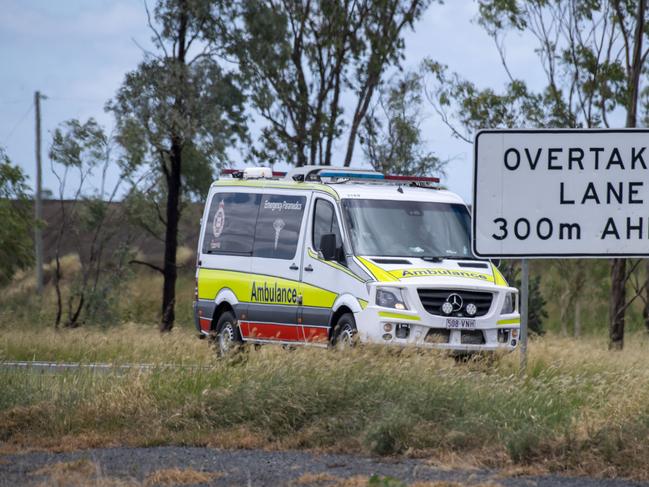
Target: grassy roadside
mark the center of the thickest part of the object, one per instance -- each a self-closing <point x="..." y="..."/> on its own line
<point x="129" y="343"/>
<point x="581" y="409"/>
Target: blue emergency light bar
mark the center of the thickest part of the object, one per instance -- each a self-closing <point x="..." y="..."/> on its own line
<point x="350" y="174"/>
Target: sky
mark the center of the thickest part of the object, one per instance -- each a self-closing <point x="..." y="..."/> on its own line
<point x="77" y="52"/>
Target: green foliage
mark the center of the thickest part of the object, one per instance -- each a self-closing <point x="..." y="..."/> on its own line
<point x="77" y="144"/>
<point x="580" y="50"/>
<point x="16" y="251"/>
<point x="460" y="101"/>
<point x="379" y="481"/>
<point x="185" y="99"/>
<point x="536" y="302"/>
<point x="302" y="59"/>
<point x="391" y="133"/>
<point x="102" y="246"/>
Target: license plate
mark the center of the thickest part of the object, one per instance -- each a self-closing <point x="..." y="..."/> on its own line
<point x="460" y="323"/>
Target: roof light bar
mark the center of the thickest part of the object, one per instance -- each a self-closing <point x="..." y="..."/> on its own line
<point x="425" y="179"/>
<point x="377" y="176"/>
<point x="239" y="173"/>
<point x="350" y="175"/>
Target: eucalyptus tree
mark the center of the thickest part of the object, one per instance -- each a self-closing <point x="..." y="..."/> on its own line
<point x="177" y="115"/>
<point x="88" y="222"/>
<point x="593" y="56"/>
<point x="16" y="250"/>
<point x="391" y="135"/>
<point x="306" y="59"/>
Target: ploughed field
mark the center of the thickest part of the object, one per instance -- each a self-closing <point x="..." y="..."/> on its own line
<point x="579" y="410"/>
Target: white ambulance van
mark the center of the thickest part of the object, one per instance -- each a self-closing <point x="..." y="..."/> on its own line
<point x="326" y="255"/>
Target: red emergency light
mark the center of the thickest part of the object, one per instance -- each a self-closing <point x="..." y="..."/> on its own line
<point x="423" y="179"/>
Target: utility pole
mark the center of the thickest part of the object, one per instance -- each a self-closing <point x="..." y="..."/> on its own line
<point x="38" y="203"/>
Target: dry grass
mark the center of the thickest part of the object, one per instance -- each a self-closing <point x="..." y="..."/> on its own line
<point x="314" y="479"/>
<point x="81" y="467"/>
<point x="127" y="343"/>
<point x="180" y="476"/>
<point x="446" y="483"/>
<point x="79" y="473"/>
<point x="84" y="472"/>
<point x="580" y="409"/>
<point x="327" y="480"/>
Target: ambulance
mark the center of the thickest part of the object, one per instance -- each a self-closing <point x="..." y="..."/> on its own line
<point x="328" y="256"/>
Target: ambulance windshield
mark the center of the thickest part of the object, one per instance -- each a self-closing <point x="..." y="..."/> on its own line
<point x="408" y="228"/>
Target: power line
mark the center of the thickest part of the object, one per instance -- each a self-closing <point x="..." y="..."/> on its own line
<point x="21" y="120"/>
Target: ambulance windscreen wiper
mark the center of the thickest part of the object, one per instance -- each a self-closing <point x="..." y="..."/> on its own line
<point x="431" y="258"/>
<point x="439" y="258"/>
<point x="460" y="257"/>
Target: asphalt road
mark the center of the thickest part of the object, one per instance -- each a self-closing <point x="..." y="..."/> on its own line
<point x="257" y="468"/>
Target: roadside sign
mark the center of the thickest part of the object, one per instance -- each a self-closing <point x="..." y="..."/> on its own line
<point x="561" y="193"/>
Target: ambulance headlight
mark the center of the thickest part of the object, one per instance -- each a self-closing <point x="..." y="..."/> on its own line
<point x="510" y="304"/>
<point x="390" y="297"/>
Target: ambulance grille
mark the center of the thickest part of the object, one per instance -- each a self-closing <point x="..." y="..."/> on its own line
<point x="433" y="299"/>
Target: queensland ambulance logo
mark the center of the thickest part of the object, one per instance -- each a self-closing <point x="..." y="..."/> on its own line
<point x="219" y="220"/>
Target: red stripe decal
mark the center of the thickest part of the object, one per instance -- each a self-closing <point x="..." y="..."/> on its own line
<point x="271" y="331"/>
<point x="314" y="334"/>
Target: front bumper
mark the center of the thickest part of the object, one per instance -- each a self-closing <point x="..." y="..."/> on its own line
<point x="417" y="327"/>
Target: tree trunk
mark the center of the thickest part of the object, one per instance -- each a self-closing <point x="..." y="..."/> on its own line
<point x="634" y="67"/>
<point x="170" y="270"/>
<point x="577" y="318"/>
<point x="617" y="305"/>
<point x="563" y="320"/>
<point x="646" y="300"/>
<point x="174" y="186"/>
<point x="359" y="114"/>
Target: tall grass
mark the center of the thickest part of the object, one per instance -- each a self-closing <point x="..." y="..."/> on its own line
<point x="579" y="409"/>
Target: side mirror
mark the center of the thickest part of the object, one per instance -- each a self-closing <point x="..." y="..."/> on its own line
<point x="328" y="246"/>
<point x="496" y="262"/>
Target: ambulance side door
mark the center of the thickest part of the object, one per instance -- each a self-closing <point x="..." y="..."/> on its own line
<point x="322" y="280"/>
<point x="276" y="267"/>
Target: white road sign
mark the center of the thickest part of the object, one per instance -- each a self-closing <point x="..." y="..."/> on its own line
<point x="561" y="193"/>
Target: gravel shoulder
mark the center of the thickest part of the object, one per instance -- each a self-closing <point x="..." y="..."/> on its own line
<point x="258" y="468"/>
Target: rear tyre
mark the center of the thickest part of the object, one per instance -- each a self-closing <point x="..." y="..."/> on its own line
<point x="228" y="338"/>
<point x="345" y="332"/>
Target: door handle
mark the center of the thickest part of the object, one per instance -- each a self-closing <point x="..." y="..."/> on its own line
<point x="293" y="267"/>
<point x="309" y="268"/>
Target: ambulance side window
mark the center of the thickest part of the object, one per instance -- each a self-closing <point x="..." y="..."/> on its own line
<point x="278" y="226"/>
<point x="324" y="222"/>
<point x="230" y="227"/>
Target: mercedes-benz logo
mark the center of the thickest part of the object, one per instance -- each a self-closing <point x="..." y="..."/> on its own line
<point x="455" y="300"/>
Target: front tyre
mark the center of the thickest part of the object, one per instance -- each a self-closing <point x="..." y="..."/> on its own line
<point x="346" y="334"/>
<point x="228" y="337"/>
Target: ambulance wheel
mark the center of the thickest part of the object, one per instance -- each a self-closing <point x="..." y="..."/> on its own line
<point x="228" y="338"/>
<point x="346" y="335"/>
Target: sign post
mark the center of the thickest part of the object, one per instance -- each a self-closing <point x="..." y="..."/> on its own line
<point x="525" y="293"/>
<point x="569" y="193"/>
